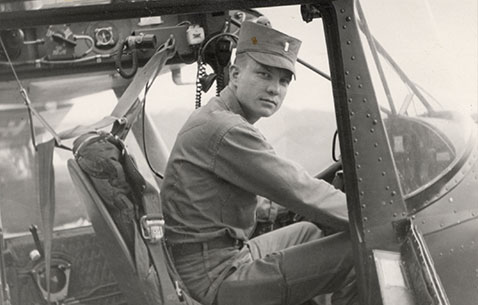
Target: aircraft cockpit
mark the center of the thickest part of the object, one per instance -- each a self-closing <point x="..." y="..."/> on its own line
<point x="381" y="105"/>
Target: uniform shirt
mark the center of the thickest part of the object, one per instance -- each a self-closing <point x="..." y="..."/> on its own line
<point x="218" y="166"/>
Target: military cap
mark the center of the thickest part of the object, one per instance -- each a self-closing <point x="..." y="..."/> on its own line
<point x="268" y="46"/>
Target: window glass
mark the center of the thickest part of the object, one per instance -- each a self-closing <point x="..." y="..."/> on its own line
<point x="19" y="184"/>
<point x="424" y="75"/>
<point x="302" y="130"/>
<point x="18" y="179"/>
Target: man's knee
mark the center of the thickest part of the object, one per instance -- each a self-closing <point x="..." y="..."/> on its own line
<point x="310" y="230"/>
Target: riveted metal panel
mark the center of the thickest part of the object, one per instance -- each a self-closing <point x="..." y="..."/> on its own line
<point x="457" y="203"/>
<point x="455" y="254"/>
<point x="449" y="179"/>
<point x="380" y="196"/>
<point x="374" y="197"/>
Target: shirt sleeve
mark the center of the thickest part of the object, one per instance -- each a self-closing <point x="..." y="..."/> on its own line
<point x="245" y="159"/>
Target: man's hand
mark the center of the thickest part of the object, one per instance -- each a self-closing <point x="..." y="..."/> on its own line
<point x="338" y="181"/>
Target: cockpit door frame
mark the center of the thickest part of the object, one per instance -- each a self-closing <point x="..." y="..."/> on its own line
<point x="374" y="196"/>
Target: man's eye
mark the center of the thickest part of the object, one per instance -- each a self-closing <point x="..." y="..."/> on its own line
<point x="263" y="74"/>
<point x="285" y="81"/>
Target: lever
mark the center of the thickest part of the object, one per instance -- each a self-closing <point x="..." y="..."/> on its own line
<point x="36" y="239"/>
<point x="59" y="38"/>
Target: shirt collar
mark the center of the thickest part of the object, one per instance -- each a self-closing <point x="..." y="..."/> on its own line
<point x="229" y="99"/>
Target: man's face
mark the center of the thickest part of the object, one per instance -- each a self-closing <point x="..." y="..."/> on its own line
<point x="260" y="89"/>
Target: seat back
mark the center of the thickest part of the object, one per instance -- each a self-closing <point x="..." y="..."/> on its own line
<point x="109" y="238"/>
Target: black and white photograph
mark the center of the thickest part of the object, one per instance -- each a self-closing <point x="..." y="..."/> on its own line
<point x="238" y="152"/>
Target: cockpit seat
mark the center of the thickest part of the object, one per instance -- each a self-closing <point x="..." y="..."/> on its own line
<point x="108" y="236"/>
<point x="130" y="235"/>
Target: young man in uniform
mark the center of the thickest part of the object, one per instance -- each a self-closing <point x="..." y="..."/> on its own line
<point x="220" y="163"/>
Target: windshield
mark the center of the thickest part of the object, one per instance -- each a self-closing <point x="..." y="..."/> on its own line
<point x="303" y="128"/>
<point x="425" y="84"/>
<point x="18" y="180"/>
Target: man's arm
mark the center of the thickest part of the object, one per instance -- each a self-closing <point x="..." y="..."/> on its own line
<point x="245" y="159"/>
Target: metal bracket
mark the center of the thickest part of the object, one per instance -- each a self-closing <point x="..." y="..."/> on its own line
<point x="309" y="12"/>
<point x="152" y="227"/>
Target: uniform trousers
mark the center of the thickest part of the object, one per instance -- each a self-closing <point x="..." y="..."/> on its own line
<point x="288" y="266"/>
<point x="292" y="265"/>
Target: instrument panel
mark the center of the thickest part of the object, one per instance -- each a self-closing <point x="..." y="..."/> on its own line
<point x="50" y="50"/>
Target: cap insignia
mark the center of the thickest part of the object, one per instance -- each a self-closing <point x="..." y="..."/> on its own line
<point x="254" y="40"/>
<point x="286" y="46"/>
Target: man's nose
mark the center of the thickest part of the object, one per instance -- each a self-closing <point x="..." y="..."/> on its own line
<point x="273" y="87"/>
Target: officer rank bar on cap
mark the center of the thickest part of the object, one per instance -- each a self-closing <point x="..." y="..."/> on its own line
<point x="268" y="46"/>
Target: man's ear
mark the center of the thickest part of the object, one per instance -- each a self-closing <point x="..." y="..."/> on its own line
<point x="234" y="72"/>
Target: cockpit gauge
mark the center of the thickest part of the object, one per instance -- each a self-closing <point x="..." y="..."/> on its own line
<point x="60" y="272"/>
<point x="104" y="37"/>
